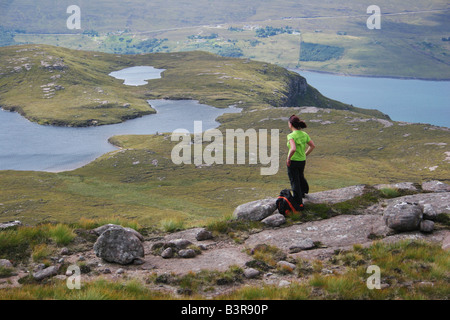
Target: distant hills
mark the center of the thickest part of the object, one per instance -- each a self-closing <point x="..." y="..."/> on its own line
<point x="411" y="42"/>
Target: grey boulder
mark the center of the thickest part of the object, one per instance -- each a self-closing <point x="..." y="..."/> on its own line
<point x="119" y="246"/>
<point x="255" y="210"/>
<point x="46" y="273"/>
<point x="403" y="216"/>
<point x="274" y="220"/>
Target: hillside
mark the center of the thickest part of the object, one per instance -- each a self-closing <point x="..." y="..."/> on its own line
<point x="58" y="86"/>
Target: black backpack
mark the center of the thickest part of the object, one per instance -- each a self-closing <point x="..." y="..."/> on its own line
<point x="286" y="203"/>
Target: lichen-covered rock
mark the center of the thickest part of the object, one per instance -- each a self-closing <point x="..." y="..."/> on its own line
<point x="251" y="273"/>
<point x="255" y="210"/>
<point x="403" y="216"/>
<point x="203" y="235"/>
<point x="187" y="253"/>
<point x="167" y="253"/>
<point x="274" y="220"/>
<point x="119" y="246"/>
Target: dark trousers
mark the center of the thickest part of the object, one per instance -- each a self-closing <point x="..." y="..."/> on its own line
<point x="299" y="185"/>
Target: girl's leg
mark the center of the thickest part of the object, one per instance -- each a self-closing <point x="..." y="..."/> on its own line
<point x="294" y="174"/>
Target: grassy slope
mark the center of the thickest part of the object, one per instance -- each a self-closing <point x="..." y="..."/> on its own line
<point x="149" y="193"/>
<point x="91" y="97"/>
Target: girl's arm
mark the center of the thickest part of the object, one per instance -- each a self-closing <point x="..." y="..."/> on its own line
<point x="311" y="147"/>
<point x="291" y="151"/>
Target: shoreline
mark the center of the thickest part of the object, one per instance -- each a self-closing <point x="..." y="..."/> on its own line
<point x="366" y="76"/>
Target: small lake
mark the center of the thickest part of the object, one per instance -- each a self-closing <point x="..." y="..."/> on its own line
<point x="137" y="76"/>
<point x="25" y="145"/>
<point x="418" y="101"/>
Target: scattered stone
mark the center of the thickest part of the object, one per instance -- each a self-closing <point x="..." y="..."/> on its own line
<point x="274" y="220"/>
<point x="167" y="253"/>
<point x="187" y="253"/>
<point x="119" y="246"/>
<point x="10" y="224"/>
<point x="251" y="273"/>
<point x="81" y="258"/>
<point x="64" y="251"/>
<point x="284" y="283"/>
<point x="435" y="186"/>
<point x="426" y="226"/>
<point x="106" y="271"/>
<point x="204" y="235"/>
<point x="120" y="271"/>
<point x="46" y="273"/>
<point x="303" y="244"/>
<point x="255" y="210"/>
<point x="6" y="264"/>
<point x="403" y="216"/>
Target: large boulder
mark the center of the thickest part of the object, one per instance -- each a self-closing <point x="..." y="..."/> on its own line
<point x="119" y="246"/>
<point x="255" y="210"/>
<point x="403" y="216"/>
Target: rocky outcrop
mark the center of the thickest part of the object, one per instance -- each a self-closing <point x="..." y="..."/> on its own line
<point x="297" y="89"/>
